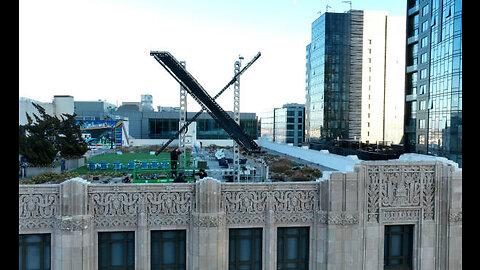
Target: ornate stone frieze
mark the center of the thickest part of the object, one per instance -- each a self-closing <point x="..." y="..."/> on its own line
<point x="392" y="215"/>
<point x="37" y="207"/>
<point x="208" y="220"/>
<point x="289" y="203"/>
<point x="72" y="224"/>
<point x="342" y="218"/>
<point x="454" y="217"/>
<point x="120" y="206"/>
<point x="396" y="186"/>
<point x="337" y="218"/>
<point x="168" y="220"/>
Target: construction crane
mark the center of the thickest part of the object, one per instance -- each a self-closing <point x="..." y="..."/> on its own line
<point x="208" y="104"/>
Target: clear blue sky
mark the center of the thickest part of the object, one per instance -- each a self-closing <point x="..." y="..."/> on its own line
<point x="99" y="49"/>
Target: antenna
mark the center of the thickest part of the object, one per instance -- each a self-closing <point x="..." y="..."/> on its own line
<point x="348" y="2"/>
<point x="326" y="8"/>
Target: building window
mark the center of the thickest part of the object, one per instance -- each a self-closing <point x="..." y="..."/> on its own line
<point x="245" y="249"/>
<point x="34" y="251"/>
<point x="421" y="139"/>
<point x="424" y="26"/>
<point x="425" y="10"/>
<point x="292" y="248"/>
<point x="168" y="250"/>
<point x="423" y="73"/>
<point x="424" y="42"/>
<point x="421" y="123"/>
<point x="398" y="248"/>
<point x="116" y="250"/>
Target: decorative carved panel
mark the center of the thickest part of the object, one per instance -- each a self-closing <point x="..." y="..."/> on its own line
<point x="398" y="186"/>
<point x="37" y="207"/>
<point x="120" y="206"/>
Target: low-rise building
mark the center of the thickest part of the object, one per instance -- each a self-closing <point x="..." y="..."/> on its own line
<point x="382" y="214"/>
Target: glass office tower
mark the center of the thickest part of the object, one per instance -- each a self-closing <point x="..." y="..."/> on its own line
<point x="433" y="116"/>
<point x="355" y="66"/>
<point x="328" y="57"/>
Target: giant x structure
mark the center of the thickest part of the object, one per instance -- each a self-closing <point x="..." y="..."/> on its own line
<point x="187" y="81"/>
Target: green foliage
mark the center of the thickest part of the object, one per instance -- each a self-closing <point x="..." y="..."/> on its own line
<point x="40" y="141"/>
<point x="282" y="165"/>
<point x="284" y="169"/>
<point x="34" y="139"/>
<point x="70" y="141"/>
<point x="48" y="177"/>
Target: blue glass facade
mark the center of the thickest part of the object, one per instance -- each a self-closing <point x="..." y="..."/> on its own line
<point x="433" y="120"/>
<point x="327" y="78"/>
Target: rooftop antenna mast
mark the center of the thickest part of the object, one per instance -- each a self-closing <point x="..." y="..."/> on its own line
<point x="348" y="2"/>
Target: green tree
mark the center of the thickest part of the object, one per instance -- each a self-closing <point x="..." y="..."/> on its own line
<point x="69" y="140"/>
<point x="40" y="141"/>
<point x="35" y="139"/>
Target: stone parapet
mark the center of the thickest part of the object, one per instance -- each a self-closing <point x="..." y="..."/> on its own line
<point x="346" y="214"/>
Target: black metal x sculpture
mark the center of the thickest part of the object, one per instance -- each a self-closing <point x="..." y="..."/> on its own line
<point x="187" y="81"/>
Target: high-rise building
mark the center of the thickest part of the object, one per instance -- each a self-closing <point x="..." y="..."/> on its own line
<point x="355" y="77"/>
<point x="433" y="102"/>
<point x="285" y="125"/>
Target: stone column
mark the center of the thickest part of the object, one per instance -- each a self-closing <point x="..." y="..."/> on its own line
<point x="73" y="238"/>
<point x="142" y="242"/>
<point x="208" y="227"/>
<point x="270" y="247"/>
<point x="455" y="222"/>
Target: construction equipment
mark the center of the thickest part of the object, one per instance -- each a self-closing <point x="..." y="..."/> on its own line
<point x="208" y="104"/>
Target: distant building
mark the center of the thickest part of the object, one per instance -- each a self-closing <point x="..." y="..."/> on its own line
<point x="60" y="104"/>
<point x="164" y="124"/>
<point x="433" y="108"/>
<point x="285" y="125"/>
<point x="94" y="110"/>
<point x="355" y="77"/>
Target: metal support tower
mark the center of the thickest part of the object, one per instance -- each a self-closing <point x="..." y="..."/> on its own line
<point x="182" y="121"/>
<point x="236" y="118"/>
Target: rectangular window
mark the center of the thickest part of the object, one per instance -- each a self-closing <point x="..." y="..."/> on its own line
<point x="425" y="10"/>
<point x="168" y="250"/>
<point x="116" y="250"/>
<point x="424" y="42"/>
<point x="292" y="248"/>
<point x="424" y="26"/>
<point x="421" y="139"/>
<point x="423" y="73"/>
<point x="421" y="123"/>
<point x="424" y="58"/>
<point x="245" y="249"/>
<point x="398" y="248"/>
<point x="34" y="251"/>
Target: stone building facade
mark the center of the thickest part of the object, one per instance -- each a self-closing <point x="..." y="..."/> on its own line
<point x="346" y="217"/>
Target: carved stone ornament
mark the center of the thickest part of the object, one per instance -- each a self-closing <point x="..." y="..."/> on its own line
<point x="288" y="203"/>
<point x="114" y="207"/>
<point x="394" y="186"/>
<point x="337" y="218"/>
<point x="72" y="224"/>
<point x="208" y="220"/>
<point x="454" y="217"/>
<point x="38" y="207"/>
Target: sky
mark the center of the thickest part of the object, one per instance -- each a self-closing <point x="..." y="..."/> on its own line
<point x="100" y="49"/>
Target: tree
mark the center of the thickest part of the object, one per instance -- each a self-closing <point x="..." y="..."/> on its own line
<point x="40" y="142"/>
<point x="35" y="138"/>
<point x="70" y="141"/>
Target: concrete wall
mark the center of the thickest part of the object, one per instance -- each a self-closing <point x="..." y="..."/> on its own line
<point x="346" y="214"/>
